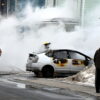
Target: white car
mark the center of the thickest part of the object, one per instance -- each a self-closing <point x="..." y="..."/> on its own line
<point x="59" y="61"/>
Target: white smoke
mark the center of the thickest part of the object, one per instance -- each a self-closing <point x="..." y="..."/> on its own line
<point x="22" y="35"/>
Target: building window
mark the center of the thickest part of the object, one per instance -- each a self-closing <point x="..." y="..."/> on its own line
<point x="21" y="4"/>
<point x="11" y="8"/>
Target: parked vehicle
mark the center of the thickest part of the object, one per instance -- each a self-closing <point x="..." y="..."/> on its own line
<point x="59" y="61"/>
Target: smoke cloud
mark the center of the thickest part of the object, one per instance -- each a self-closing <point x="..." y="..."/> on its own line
<point x="21" y="35"/>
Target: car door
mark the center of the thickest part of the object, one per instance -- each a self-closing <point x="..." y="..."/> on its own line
<point x="60" y="60"/>
<point x="77" y="61"/>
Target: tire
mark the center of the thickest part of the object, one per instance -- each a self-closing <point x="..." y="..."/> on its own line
<point x="47" y="71"/>
<point x="36" y="73"/>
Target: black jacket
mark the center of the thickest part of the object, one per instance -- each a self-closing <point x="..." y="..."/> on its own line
<point x="97" y="58"/>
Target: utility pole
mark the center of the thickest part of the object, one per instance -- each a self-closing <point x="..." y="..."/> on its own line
<point x="82" y="11"/>
<point x="16" y="5"/>
<point x="8" y="6"/>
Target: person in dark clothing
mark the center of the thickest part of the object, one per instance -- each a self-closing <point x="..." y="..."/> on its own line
<point x="0" y="52"/>
<point x="97" y="72"/>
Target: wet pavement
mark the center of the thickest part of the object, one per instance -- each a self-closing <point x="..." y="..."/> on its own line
<point x="52" y="86"/>
<point x="19" y="91"/>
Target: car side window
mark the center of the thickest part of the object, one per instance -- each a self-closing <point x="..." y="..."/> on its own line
<point x="60" y="54"/>
<point x="75" y="55"/>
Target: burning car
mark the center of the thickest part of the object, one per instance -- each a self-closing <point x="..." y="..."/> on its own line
<point x="58" y="61"/>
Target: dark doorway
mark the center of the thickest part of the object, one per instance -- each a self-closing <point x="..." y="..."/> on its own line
<point x="3" y="7"/>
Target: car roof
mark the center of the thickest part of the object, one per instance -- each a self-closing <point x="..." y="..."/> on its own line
<point x="69" y="50"/>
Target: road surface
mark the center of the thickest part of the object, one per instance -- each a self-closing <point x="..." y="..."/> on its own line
<point x="17" y="91"/>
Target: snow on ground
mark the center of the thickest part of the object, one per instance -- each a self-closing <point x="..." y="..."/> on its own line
<point x="7" y="68"/>
<point x="86" y="77"/>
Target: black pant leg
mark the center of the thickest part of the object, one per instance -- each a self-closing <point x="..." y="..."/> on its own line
<point x="97" y="80"/>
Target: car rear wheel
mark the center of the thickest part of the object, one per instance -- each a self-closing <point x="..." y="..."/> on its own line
<point x="48" y="71"/>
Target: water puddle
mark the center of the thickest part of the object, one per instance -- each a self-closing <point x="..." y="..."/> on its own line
<point x="21" y="85"/>
<point x="51" y="89"/>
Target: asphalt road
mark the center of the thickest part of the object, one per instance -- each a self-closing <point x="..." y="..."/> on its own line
<point x="16" y="91"/>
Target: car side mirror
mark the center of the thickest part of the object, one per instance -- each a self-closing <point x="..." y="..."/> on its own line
<point x="86" y="62"/>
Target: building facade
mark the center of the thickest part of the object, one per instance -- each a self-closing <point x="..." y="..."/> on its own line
<point x="12" y="6"/>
